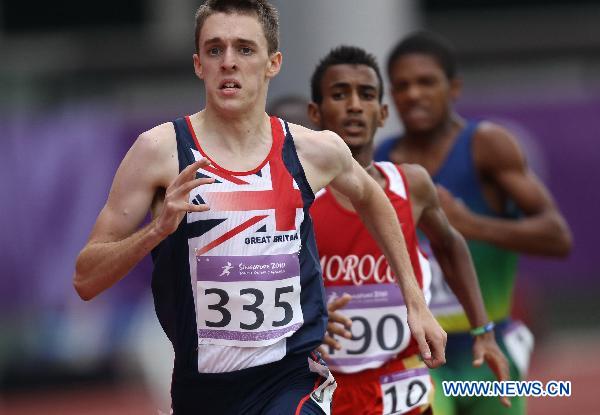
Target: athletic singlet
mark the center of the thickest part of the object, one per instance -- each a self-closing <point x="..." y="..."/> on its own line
<point x="353" y="263"/>
<point x="239" y="285"/>
<point x="496" y="267"/>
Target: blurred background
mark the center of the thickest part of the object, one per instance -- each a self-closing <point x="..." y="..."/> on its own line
<point x="80" y="81"/>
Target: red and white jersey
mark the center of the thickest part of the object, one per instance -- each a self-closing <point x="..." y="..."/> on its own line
<point x="353" y="263"/>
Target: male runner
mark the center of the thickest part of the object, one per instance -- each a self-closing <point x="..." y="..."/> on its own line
<point x="226" y="185"/>
<point x="378" y="370"/>
<point x="489" y="195"/>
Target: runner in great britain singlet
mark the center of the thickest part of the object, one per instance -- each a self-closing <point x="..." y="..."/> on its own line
<point x="237" y="288"/>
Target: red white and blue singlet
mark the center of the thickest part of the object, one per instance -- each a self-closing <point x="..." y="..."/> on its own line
<point x="239" y="286"/>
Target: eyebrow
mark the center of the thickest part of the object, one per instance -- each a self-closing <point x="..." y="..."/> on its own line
<point x="346" y="85"/>
<point x="238" y="40"/>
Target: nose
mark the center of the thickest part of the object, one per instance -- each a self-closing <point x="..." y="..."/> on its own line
<point x="228" y="63"/>
<point x="413" y="92"/>
<point x="354" y="103"/>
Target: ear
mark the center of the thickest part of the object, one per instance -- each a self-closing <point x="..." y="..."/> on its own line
<point x="197" y="66"/>
<point x="314" y="114"/>
<point x="383" y="115"/>
<point x="455" y="88"/>
<point x="274" y="65"/>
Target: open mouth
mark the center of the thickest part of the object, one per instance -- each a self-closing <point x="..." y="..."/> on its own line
<point x="416" y="112"/>
<point x="229" y="84"/>
<point x="354" y="123"/>
<point x="354" y="127"/>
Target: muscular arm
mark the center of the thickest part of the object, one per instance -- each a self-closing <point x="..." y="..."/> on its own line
<point x="330" y="159"/>
<point x="543" y="230"/>
<point x="452" y="253"/>
<point x="449" y="247"/>
<point x="115" y="245"/>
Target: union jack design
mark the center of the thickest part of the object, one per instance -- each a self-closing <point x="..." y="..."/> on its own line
<point x="265" y="202"/>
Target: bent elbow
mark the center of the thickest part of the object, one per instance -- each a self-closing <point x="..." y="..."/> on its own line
<point x="81" y="290"/>
<point x="563" y="237"/>
<point x="556" y="239"/>
<point x="79" y="284"/>
<point x="565" y="244"/>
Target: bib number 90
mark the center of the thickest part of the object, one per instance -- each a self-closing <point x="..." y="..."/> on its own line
<point x="375" y="332"/>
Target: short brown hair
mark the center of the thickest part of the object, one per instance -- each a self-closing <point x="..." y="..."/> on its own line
<point x="266" y="13"/>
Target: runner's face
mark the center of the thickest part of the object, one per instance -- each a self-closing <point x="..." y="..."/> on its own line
<point x="421" y="92"/>
<point x="233" y="61"/>
<point x="350" y="105"/>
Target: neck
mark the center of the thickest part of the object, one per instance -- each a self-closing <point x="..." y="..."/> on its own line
<point x="235" y="132"/>
<point x="363" y="154"/>
<point x="439" y="133"/>
<point x="364" y="157"/>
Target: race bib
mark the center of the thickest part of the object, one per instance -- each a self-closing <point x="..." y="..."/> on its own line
<point x="403" y="391"/>
<point x="247" y="301"/>
<point x="379" y="327"/>
<point x="519" y="343"/>
<point x="443" y="301"/>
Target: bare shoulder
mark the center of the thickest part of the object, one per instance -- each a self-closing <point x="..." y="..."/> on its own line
<point x="320" y="148"/>
<point x="157" y="141"/>
<point x="157" y="148"/>
<point x="415" y="173"/>
<point x="495" y="148"/>
<point x="316" y="141"/>
<point x="420" y="185"/>
<point x="323" y="155"/>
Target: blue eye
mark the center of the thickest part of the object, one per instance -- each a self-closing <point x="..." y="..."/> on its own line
<point x="246" y="50"/>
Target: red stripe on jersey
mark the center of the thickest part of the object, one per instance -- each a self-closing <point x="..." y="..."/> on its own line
<point x="283" y="198"/>
<point x="230" y="234"/>
<point x="217" y="172"/>
<point x="189" y="124"/>
<point x="285" y="217"/>
<point x="224" y="175"/>
<point x="303" y="400"/>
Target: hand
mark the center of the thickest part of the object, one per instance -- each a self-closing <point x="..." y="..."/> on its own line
<point x="486" y="348"/>
<point x="177" y="195"/>
<point x="457" y="212"/>
<point x="429" y="335"/>
<point x="337" y="324"/>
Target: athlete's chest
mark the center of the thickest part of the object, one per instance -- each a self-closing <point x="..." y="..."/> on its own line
<point x="244" y="256"/>
<point x="348" y="253"/>
<point x="342" y="232"/>
<point x="250" y="213"/>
